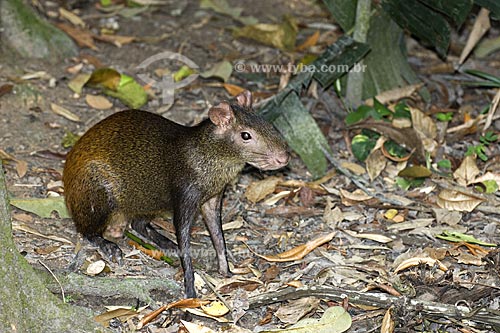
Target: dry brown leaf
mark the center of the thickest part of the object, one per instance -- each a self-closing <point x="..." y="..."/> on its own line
<point x="375" y="163"/>
<point x="64" y="112"/>
<point x="491" y="112"/>
<point x="83" y="38"/>
<point x="21" y="166"/>
<point x="332" y="215"/>
<point x="311" y="41"/>
<point x="196" y="328"/>
<point x="71" y="17"/>
<point x="358" y="195"/>
<point x="459" y="201"/>
<point x="299" y="252"/>
<point x="98" y="102"/>
<point x="488" y="176"/>
<point x="420" y="260"/>
<point x="155" y="254"/>
<point x="481" y="26"/>
<point x="387" y="323"/>
<point x="426" y="129"/>
<point x="257" y="191"/>
<point x="233" y="89"/>
<point x="292" y="312"/>
<point x="395" y="94"/>
<point x="123" y="313"/>
<point x="354" y="168"/>
<point x="374" y="237"/>
<point x="466" y="173"/>
<point x="116" y="40"/>
<point x="183" y="303"/>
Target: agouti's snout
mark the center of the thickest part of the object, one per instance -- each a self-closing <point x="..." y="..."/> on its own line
<point x="136" y="164"/>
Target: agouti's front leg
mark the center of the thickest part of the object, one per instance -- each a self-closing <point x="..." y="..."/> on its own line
<point x="186" y="205"/>
<point x="211" y="211"/>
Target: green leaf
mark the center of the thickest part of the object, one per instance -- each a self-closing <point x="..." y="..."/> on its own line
<point x="362" y="145"/>
<point x="457" y="10"/>
<point x="361" y="113"/>
<point x="387" y="64"/>
<point x="492" y="5"/>
<point x="444" y="116"/>
<point x="422" y="21"/>
<point x="488" y="77"/>
<point x="444" y="164"/>
<point x="129" y="92"/>
<point x="459" y="237"/>
<point x="343" y="11"/>
<point x="338" y="59"/>
<point x="69" y="139"/>
<point x="42" y="207"/>
<point x="406" y="184"/>
<point x="489" y="186"/>
<point x="394" y="149"/>
<point x="401" y="110"/>
<point x="302" y="134"/>
<point x="381" y="109"/>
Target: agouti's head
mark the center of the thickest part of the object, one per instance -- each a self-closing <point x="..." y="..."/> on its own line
<point x="257" y="142"/>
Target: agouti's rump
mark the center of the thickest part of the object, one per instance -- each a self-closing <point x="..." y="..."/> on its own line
<point x="135" y="164"/>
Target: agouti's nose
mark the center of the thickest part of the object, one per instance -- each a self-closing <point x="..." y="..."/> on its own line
<point x="283" y="158"/>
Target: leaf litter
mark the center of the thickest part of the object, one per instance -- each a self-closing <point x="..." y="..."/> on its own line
<point x="327" y="233"/>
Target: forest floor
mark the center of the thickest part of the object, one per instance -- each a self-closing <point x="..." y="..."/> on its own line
<point x="368" y="243"/>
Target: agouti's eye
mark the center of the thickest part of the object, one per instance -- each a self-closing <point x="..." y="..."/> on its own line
<point x="246" y="136"/>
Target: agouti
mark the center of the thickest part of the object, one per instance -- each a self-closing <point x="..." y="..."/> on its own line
<point x="134" y="165"/>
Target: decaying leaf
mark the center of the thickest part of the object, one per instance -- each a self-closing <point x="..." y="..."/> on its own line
<point x="467" y="171"/>
<point x="281" y="36"/>
<point x="426" y="129"/>
<point x="293" y="311"/>
<point x="301" y="251"/>
<point x="375" y="163"/>
<point x="21" y="166"/>
<point x="78" y="82"/>
<point x="459" y="201"/>
<point x="215" y="309"/>
<point x="335" y="320"/>
<point x="373" y="237"/>
<point x="196" y="328"/>
<point x="395" y="94"/>
<point x="388" y="323"/>
<point x="257" y="191"/>
<point x="223" y="7"/>
<point x="96" y="267"/>
<point x="418" y="261"/>
<point x="355" y="196"/>
<point x="84" y="38"/>
<point x="42" y="207"/>
<point x="64" y="112"/>
<point x="221" y="70"/>
<point x="183" y="303"/>
<point x="233" y="89"/>
<point x="98" y="102"/>
<point x="481" y="26"/>
<point x="311" y="41"/>
<point x="123" y="313"/>
<point x="415" y="171"/>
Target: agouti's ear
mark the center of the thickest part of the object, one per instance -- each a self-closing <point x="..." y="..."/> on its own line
<point x="221" y="114"/>
<point x="244" y="99"/>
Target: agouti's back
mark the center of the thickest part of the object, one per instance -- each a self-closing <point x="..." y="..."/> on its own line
<point x="136" y="164"/>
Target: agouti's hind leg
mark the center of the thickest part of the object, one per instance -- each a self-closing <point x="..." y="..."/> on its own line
<point x="144" y="227"/>
<point x="109" y="249"/>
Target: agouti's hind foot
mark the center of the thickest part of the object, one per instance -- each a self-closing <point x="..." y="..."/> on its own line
<point x="109" y="249"/>
<point x="144" y="228"/>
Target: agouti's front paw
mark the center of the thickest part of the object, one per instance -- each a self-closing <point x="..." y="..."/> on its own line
<point x="110" y="250"/>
